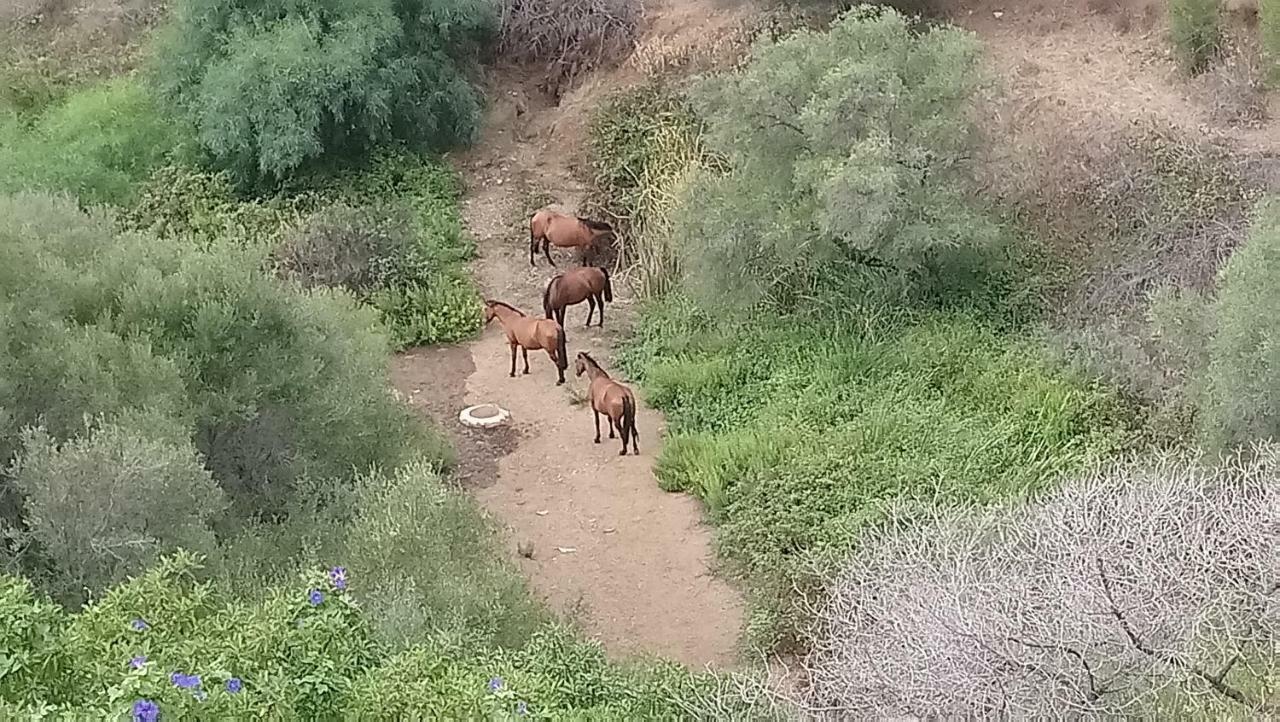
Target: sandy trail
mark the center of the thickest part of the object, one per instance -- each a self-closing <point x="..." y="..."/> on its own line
<point x="638" y="576"/>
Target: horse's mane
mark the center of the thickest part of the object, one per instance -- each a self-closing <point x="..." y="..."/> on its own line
<point x="595" y="225"/>
<point x="592" y="361"/>
<point x="505" y="305"/>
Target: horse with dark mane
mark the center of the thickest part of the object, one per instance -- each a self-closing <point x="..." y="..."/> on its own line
<point x="528" y="333"/>
<point x="585" y="283"/>
<point x="612" y="399"/>
<point x="552" y="228"/>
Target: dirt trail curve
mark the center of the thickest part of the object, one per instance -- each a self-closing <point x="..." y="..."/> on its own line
<point x="639" y="578"/>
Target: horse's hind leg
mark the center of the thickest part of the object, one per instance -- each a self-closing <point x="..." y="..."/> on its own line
<point x="612" y="426"/>
<point x="592" y="301"/>
<point x="525" y="351"/>
<point x="597" y="413"/>
<point x="546" y="250"/>
<point x="600" y="300"/>
<point x="513" y="360"/>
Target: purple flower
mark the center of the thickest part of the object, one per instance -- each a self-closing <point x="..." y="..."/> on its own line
<point x="185" y="681"/>
<point x="144" y="710"/>
<point x="139" y="625"/>
<point x="234" y="685"/>
<point x="522" y="709"/>
<point x="137" y="662"/>
<point x="338" y="576"/>
<point x="495" y="684"/>
<point x="316" y="597"/>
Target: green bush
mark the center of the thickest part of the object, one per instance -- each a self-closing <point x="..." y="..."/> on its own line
<point x="1269" y="28"/>
<point x="270" y="384"/>
<point x="104" y="506"/>
<point x="271" y="87"/>
<point x="800" y="433"/>
<point x="1195" y="26"/>
<point x="98" y="144"/>
<point x="305" y="651"/>
<point x="1241" y="399"/>
<point x="849" y="174"/>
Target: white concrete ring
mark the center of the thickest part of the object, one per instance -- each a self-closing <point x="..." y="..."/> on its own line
<point x="484" y="416"/>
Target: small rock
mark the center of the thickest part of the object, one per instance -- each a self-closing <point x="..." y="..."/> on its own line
<point x="566" y="550"/>
<point x="609" y="530"/>
<point x="526" y="549"/>
<point x="541" y="513"/>
<point x="998" y="14"/>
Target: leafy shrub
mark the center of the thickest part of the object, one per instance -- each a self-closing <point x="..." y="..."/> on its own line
<point x="1195" y="27"/>
<point x="270" y="384"/>
<point x="1269" y="28"/>
<point x="356" y="248"/>
<point x="568" y="37"/>
<point x="800" y="433"/>
<point x="848" y="153"/>
<point x="1105" y="587"/>
<point x="273" y="87"/>
<point x="1241" y="403"/>
<point x="104" y="506"/>
<point x="305" y="652"/>
<point x="178" y="201"/>
<point x="409" y="536"/>
<point x="98" y="143"/>
<point x="397" y="242"/>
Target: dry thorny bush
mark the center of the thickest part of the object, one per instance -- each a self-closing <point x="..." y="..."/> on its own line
<point x="1136" y="589"/>
<point x="570" y="37"/>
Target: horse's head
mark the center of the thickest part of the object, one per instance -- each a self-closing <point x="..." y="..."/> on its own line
<point x="489" y="311"/>
<point x="597" y="228"/>
<point x="580" y="365"/>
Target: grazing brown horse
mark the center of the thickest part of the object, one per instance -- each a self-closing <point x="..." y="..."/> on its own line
<point x="585" y="283"/>
<point x="529" y="333"/>
<point x="552" y="228"/>
<point x="612" y="399"/>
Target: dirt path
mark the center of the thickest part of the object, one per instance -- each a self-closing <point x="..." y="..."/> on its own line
<point x="637" y="578"/>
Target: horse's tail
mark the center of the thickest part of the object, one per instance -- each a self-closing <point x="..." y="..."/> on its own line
<point x="562" y="350"/>
<point x="629" y="418"/>
<point x="608" y="285"/>
<point x="546" y="297"/>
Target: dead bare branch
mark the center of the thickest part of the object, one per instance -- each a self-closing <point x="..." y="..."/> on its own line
<point x="1142" y="588"/>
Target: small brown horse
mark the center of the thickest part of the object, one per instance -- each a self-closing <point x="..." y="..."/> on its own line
<point x="552" y="228"/>
<point x="585" y="283"/>
<point x="612" y="399"/>
<point x="529" y="333"/>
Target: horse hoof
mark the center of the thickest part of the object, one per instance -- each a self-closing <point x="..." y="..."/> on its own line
<point x="597" y="441"/>
<point x="512" y="375"/>
<point x="622" y="453"/>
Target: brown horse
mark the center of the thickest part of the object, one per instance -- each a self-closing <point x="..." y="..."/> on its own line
<point x="529" y="333"/>
<point x="612" y="399"/>
<point x="552" y="228"/>
<point x="585" y="283"/>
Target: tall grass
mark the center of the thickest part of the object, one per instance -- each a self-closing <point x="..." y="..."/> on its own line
<point x="798" y="434"/>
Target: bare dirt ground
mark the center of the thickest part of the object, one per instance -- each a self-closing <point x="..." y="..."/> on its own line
<point x="629" y="563"/>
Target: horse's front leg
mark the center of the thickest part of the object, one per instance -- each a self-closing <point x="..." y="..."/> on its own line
<point x="546" y="250"/>
<point x="600" y="301"/>
<point x="525" y="351"/>
<point x="513" y="360"/>
<point x="597" y="413"/>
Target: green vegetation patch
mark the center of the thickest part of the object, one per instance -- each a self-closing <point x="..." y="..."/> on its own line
<point x="798" y="434"/>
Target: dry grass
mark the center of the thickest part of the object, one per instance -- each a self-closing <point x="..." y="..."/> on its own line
<point x="568" y="37"/>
